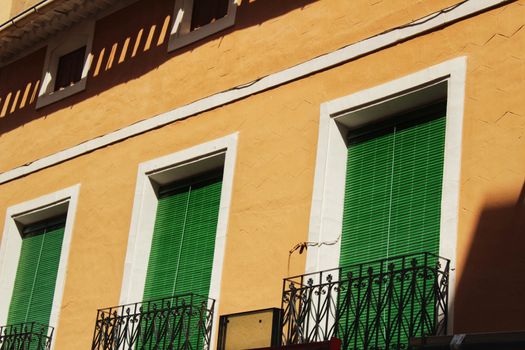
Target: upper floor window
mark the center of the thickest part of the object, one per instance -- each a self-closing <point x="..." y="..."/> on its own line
<point x="69" y="70"/>
<point x="197" y="19"/>
<point x="67" y="64"/>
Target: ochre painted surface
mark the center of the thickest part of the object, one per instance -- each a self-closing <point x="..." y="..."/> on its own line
<point x="18" y="6"/>
<point x="133" y="77"/>
<point x="278" y="130"/>
<point x="5" y="10"/>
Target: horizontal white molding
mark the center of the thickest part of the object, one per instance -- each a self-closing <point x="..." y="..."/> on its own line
<point x="347" y="53"/>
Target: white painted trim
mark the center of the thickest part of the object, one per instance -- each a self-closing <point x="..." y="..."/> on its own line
<point x="12" y="243"/>
<point x="326" y="218"/>
<point x="145" y="207"/>
<point x="72" y="39"/>
<point x="296" y="72"/>
<point x="181" y="35"/>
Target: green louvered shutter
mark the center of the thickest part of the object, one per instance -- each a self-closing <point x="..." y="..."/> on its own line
<point x="367" y="199"/>
<point x="392" y="207"/>
<point x="393" y="189"/>
<point x="181" y="257"/>
<point x="416" y="187"/>
<point x="36" y="274"/>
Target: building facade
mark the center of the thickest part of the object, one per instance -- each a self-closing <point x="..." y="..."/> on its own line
<point x="152" y="149"/>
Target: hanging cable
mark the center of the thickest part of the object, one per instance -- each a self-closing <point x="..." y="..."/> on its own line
<point x="302" y="246"/>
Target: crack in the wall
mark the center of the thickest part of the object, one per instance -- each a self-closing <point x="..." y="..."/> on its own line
<point x="506" y="115"/>
<point x="503" y="35"/>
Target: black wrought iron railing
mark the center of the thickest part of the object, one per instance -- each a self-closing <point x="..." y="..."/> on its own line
<point x="375" y="305"/>
<point x="182" y="322"/>
<point x="26" y="336"/>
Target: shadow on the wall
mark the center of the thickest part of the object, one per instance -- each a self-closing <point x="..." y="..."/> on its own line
<point x="19" y="86"/>
<point x="490" y="294"/>
<point x="127" y="45"/>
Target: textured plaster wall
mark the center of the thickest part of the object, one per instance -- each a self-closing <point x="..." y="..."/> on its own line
<point x="5" y="10"/>
<point x="133" y="77"/>
<point x="275" y="165"/>
<point x="18" y="6"/>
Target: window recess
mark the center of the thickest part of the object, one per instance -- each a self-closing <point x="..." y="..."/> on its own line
<point x="69" y="70"/>
<point x="205" y="12"/>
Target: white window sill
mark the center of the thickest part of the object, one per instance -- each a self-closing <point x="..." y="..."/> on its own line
<point x="55" y="96"/>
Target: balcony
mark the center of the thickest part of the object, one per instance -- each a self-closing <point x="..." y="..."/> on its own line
<point x="180" y="322"/>
<point x="375" y="305"/>
<point x="30" y="335"/>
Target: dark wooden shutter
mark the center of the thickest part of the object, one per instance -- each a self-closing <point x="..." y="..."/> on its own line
<point x="69" y="69"/>
<point x="207" y="11"/>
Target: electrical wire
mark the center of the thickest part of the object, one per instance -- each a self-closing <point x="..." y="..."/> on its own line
<point x="302" y="246"/>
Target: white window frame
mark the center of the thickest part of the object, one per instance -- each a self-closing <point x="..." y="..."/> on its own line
<point x="188" y="162"/>
<point x="181" y="35"/>
<point x="60" y="202"/>
<point x="69" y="41"/>
<point x="326" y="218"/>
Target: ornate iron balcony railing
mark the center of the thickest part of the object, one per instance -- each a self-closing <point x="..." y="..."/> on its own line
<point x="376" y="305"/>
<point x="26" y="336"/>
<point x="182" y="322"/>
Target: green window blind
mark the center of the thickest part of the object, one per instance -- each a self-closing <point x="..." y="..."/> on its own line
<point x="392" y="207"/>
<point x="36" y="273"/>
<point x="393" y="188"/>
<point x="182" y="249"/>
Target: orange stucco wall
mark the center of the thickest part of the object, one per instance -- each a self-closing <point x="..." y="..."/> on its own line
<point x="133" y="78"/>
<point x="18" y="6"/>
<point x="5" y="10"/>
<point x="278" y="131"/>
